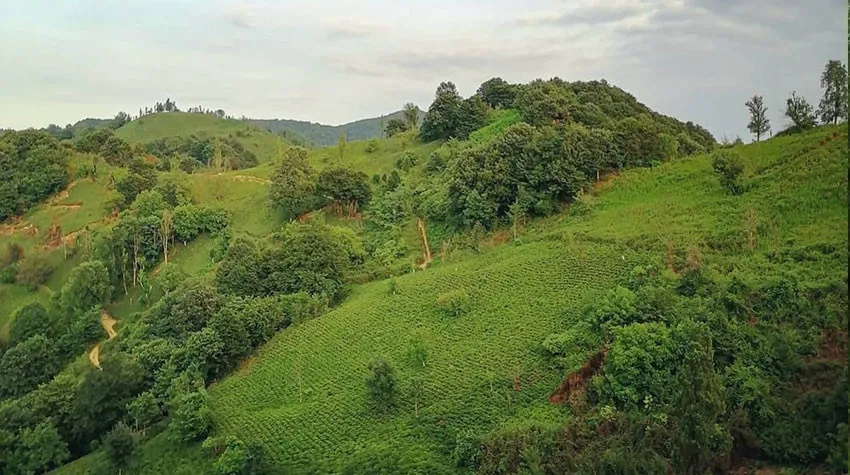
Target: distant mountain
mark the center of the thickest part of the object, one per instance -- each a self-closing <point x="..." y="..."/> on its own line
<point x="321" y="135"/>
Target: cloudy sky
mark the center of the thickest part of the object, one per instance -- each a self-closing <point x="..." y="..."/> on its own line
<point x="336" y="61"/>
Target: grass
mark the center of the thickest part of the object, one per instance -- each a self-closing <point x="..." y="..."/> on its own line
<point x="171" y="124"/>
<point x="380" y="161"/>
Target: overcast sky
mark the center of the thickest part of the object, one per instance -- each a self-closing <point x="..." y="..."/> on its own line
<point x="336" y="61"/>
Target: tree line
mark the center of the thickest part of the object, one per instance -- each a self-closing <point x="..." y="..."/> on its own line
<point x="802" y="115"/>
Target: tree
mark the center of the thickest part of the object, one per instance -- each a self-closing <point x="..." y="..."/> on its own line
<point x="34" y="270"/>
<point x="728" y="166"/>
<point x="141" y="176"/>
<point x="381" y="385"/>
<point x="88" y="286"/>
<point x="145" y="410"/>
<point x="471" y="116"/>
<point x="118" y="444"/>
<point x="497" y="93"/>
<point x="293" y="183"/>
<point x="239" y="272"/>
<point x="833" y="104"/>
<point x="191" y="418"/>
<point x="120" y="119"/>
<point x="345" y="188"/>
<point x="28" y="321"/>
<point x="759" y="123"/>
<point x="40" y="449"/>
<point x="166" y="228"/>
<point x="410" y="115"/>
<point x="395" y="126"/>
<point x="440" y="121"/>
<point x="236" y="459"/>
<point x="800" y="112"/>
<point x="700" y="404"/>
<point x="26" y="365"/>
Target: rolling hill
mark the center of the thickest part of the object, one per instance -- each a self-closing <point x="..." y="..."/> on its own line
<point x="300" y="398"/>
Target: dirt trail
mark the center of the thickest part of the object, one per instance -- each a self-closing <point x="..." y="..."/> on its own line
<point x="426" y="253"/>
<point x="108" y="323"/>
<point x="251" y="179"/>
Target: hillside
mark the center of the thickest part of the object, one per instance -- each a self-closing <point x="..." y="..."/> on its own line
<point x="301" y="397"/>
<point x="321" y="135"/>
<point x="180" y="124"/>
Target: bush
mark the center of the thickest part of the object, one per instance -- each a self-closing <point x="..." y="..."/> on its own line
<point x="381" y="385"/>
<point x="34" y="271"/>
<point x="191" y="420"/>
<point x="118" y="444"/>
<point x="454" y="303"/>
<point x="371" y="146"/>
<point x="27" y="321"/>
<point x="236" y="459"/>
<point x="728" y="166"/>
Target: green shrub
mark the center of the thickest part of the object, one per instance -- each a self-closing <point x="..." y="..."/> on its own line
<point x="381" y="385"/>
<point x="728" y="166"/>
<point x="454" y="303"/>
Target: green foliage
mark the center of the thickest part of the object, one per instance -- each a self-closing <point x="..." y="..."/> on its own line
<point x="800" y="112"/>
<point x="116" y="151"/>
<point x="34" y="450"/>
<point x="33" y="270"/>
<point x="454" y="303"/>
<point x="344" y="186"/>
<point x="141" y="176"/>
<point x="497" y="93"/>
<point x="145" y="410"/>
<point x="728" y="166"/>
<point x="118" y="444"/>
<point x="28" y="321"/>
<point x="395" y="127"/>
<point x="26" y="365"/>
<point x="407" y="161"/>
<point x="293" y="183"/>
<point x="87" y="286"/>
<point x="236" y="459"/>
<point x="833" y="105"/>
<point x="32" y="167"/>
<point x="759" y="123"/>
<point x="381" y="385"/>
<point x="191" y="419"/>
<point x="441" y="120"/>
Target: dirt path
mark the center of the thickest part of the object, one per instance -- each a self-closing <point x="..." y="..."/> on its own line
<point x="251" y="179"/>
<point x="109" y="325"/>
<point x="426" y="253"/>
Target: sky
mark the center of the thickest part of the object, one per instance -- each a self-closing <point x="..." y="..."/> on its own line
<point x="337" y="61"/>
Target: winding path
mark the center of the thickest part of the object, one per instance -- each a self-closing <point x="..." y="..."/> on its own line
<point x="426" y="253"/>
<point x="108" y="323"/>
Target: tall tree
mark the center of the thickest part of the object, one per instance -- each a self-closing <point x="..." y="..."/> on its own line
<point x="166" y="229"/>
<point x="440" y="121"/>
<point x="410" y="113"/>
<point x="293" y="183"/>
<point x="497" y="93"/>
<point x="800" y="112"/>
<point x="759" y="123"/>
<point x="833" y="104"/>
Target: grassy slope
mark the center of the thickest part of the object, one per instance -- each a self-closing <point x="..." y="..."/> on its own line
<point x="302" y="396"/>
<point x="170" y="124"/>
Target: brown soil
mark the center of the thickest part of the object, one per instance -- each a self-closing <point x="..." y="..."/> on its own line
<point x="576" y="381"/>
<point x="67" y="206"/>
<point x="426" y="250"/>
<point x="108" y="323"/>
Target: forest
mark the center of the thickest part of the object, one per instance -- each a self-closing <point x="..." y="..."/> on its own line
<point x="541" y="278"/>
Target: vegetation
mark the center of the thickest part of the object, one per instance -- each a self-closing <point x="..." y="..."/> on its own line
<point x="565" y="281"/>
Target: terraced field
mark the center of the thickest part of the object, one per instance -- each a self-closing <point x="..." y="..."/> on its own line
<point x="306" y="386"/>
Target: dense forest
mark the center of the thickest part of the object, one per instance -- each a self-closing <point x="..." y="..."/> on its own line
<point x="686" y="353"/>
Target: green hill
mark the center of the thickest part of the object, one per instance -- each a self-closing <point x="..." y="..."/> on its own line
<point x="321" y="135"/>
<point x="301" y="397"/>
<point x="181" y="124"/>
